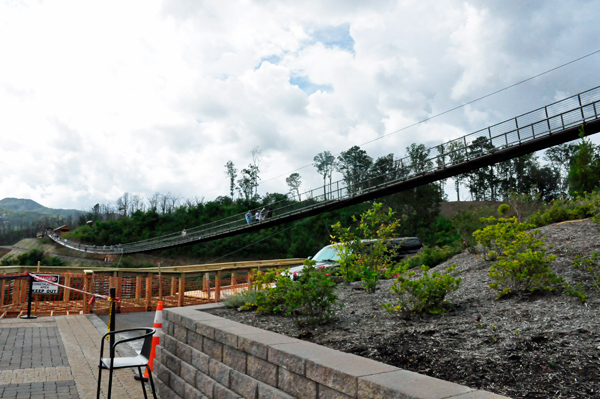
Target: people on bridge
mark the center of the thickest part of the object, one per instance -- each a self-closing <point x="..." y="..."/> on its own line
<point x="183" y="234"/>
<point x="257" y="216"/>
<point x="249" y="217"/>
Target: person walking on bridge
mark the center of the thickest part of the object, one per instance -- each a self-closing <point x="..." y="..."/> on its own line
<point x="249" y="217"/>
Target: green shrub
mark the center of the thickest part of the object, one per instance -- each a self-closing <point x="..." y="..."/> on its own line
<point x="310" y="298"/>
<point x="580" y="207"/>
<point x="366" y="260"/>
<point x="522" y="263"/>
<point x="31" y="258"/>
<point x="523" y="271"/>
<point x="498" y="235"/>
<point x="243" y="300"/>
<point x="425" y="294"/>
<point x="428" y="256"/>
<point x="591" y="265"/>
<point x="467" y="222"/>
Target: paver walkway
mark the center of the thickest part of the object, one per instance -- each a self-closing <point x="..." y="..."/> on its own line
<point x="56" y="357"/>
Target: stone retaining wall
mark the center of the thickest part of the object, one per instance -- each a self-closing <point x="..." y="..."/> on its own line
<point x="205" y="356"/>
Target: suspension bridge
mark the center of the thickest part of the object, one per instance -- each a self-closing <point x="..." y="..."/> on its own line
<point x="536" y="130"/>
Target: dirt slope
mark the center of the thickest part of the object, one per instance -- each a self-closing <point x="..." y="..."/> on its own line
<point x="544" y="346"/>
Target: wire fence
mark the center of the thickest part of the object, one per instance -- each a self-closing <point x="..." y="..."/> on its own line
<point x="535" y="125"/>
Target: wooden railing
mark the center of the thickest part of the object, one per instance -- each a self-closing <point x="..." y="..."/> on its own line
<point x="139" y="289"/>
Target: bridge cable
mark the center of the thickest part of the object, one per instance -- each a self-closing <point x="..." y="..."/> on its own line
<point x="455" y="108"/>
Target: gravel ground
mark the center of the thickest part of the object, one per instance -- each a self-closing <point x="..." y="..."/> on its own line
<point x="541" y="346"/>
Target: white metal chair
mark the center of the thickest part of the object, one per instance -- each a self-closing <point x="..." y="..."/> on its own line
<point x="141" y="360"/>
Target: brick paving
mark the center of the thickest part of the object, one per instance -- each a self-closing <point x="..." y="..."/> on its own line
<point x="56" y="357"/>
<point x="31" y="347"/>
<point x="40" y="390"/>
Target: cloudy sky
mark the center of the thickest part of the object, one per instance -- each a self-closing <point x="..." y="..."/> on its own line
<point x="98" y="98"/>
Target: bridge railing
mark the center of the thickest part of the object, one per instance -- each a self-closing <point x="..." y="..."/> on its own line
<point x="555" y="117"/>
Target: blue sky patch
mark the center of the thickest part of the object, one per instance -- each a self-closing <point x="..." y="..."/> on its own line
<point x="335" y="36"/>
<point x="307" y="86"/>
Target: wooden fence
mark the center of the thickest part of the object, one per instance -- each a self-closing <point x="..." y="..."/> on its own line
<point x="139" y="290"/>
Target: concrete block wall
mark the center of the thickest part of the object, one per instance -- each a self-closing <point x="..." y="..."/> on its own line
<point x="205" y="356"/>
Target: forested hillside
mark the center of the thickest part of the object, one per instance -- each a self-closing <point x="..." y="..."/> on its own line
<point x="21" y="218"/>
<point x="525" y="182"/>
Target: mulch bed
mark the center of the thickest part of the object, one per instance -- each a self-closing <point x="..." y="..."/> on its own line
<point x="528" y="346"/>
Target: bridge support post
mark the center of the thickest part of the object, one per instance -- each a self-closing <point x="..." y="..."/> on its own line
<point x="233" y="282"/>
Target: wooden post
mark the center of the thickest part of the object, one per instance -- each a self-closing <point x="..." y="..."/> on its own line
<point x="159" y="284"/>
<point x="138" y="288"/>
<point x="218" y="287"/>
<point x="86" y="285"/>
<point x="233" y="280"/>
<point x="2" y="286"/>
<point x="148" y="293"/>
<point x="38" y="268"/>
<point x="119" y="289"/>
<point x="207" y="282"/>
<point x="67" y="293"/>
<point x="249" y="279"/>
<point x="173" y="286"/>
<point x="24" y="284"/>
<point x="180" y="300"/>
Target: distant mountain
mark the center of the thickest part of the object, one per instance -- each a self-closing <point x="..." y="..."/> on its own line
<point x="21" y="204"/>
<point x="19" y="211"/>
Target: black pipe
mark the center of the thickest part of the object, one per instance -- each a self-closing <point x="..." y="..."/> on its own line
<point x="29" y="299"/>
<point x="113" y="310"/>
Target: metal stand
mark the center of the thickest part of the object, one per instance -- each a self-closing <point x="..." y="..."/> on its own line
<point x="29" y="299"/>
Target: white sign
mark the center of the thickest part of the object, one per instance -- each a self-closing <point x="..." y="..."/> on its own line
<point x="42" y="287"/>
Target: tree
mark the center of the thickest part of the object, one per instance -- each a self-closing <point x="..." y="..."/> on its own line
<point x="383" y="169"/>
<point x="123" y="203"/>
<point x="256" y="158"/>
<point x="419" y="159"/>
<point x="231" y="172"/>
<point x="560" y="158"/>
<point x="457" y="154"/>
<point x="584" y="173"/>
<point x="294" y="182"/>
<point x="325" y="164"/>
<point x="154" y="200"/>
<point x="248" y="182"/>
<point x="441" y="160"/>
<point x="482" y="183"/>
<point x="354" y="166"/>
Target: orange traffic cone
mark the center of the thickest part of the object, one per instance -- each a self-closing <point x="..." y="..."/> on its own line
<point x="158" y="319"/>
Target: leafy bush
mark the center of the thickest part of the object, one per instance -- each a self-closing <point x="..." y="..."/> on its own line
<point x="522" y="263"/>
<point x="425" y="294"/>
<point x="580" y="207"/>
<point x="467" y="222"/>
<point x="428" y="256"/>
<point x="243" y="300"/>
<point x="359" y="258"/>
<point x="310" y="299"/>
<point x="31" y="258"/>
<point x="498" y="235"/>
<point x="591" y="265"/>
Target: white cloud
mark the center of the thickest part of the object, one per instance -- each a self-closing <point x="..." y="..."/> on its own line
<point x="100" y="98"/>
